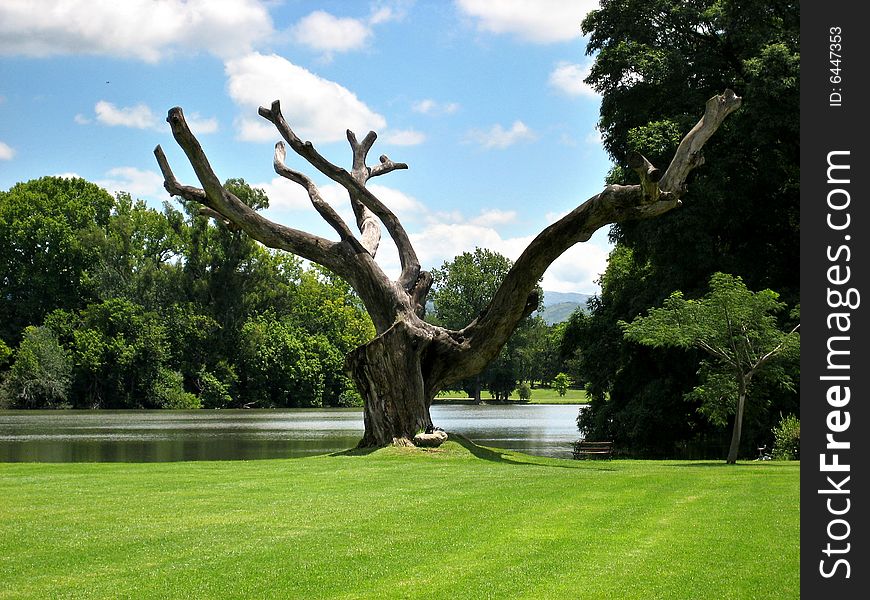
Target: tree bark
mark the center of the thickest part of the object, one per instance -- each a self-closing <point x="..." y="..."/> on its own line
<point x="403" y="368"/>
<point x="388" y="373"/>
<point x="738" y="423"/>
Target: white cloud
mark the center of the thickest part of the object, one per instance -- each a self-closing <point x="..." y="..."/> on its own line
<point x="407" y="208"/>
<point x="140" y="29"/>
<point x="316" y="108"/>
<point x="568" y="79"/>
<point x="137" y="182"/>
<point x="137" y="117"/>
<point x="198" y="124"/>
<point x="438" y="236"/>
<point x="326" y="33"/>
<point x="284" y="195"/>
<point x="536" y="21"/>
<point x="431" y="107"/>
<point x="6" y="151"/>
<point x="141" y="116"/>
<point x="499" y="137"/>
<point x="494" y="216"/>
<point x="404" y="137"/>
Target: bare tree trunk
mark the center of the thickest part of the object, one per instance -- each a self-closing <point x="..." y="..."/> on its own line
<point x="400" y="372"/>
<point x="388" y="374"/>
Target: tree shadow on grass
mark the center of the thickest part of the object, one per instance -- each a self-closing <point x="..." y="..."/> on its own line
<point x="508" y="457"/>
<point x="723" y="464"/>
<point x="356" y="451"/>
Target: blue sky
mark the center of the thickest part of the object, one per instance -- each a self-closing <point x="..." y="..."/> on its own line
<point x="483" y="99"/>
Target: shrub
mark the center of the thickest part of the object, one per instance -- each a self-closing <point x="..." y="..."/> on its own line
<point x="787" y="439"/>
<point x="524" y="390"/>
<point x="5" y="353"/>
<point x="213" y="393"/>
<point x="168" y="391"/>
<point x="560" y="384"/>
<point x="40" y="377"/>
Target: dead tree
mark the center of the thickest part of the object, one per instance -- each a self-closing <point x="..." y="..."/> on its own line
<point x="400" y="371"/>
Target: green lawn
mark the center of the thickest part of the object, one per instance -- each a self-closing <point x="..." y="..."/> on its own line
<point x="539" y="396"/>
<point x="460" y="522"/>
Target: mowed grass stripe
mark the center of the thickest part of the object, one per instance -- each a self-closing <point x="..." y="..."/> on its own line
<point x="396" y="523"/>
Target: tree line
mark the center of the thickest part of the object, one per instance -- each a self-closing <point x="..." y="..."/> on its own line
<point x="654" y="62"/>
<point x="108" y="303"/>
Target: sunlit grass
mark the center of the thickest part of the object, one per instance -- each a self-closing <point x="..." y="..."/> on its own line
<point x="540" y="395"/>
<point x="459" y="522"/>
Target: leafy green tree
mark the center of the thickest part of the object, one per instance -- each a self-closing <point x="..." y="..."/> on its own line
<point x="739" y="332"/>
<point x="139" y="257"/>
<point x="167" y="391"/>
<point x="119" y="350"/>
<point x="50" y="232"/>
<point x="654" y="61"/>
<point x="462" y="290"/>
<point x="787" y="438"/>
<point x="5" y="354"/>
<point x="277" y="367"/>
<point x="561" y="383"/>
<point x="40" y="377"/>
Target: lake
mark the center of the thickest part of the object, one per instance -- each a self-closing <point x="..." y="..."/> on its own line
<point x="164" y="436"/>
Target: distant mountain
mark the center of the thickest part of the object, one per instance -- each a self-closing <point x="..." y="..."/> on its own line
<point x="558" y="306"/>
<point x="551" y="298"/>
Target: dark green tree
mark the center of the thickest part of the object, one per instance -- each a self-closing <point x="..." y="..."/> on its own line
<point x="120" y="354"/>
<point x="462" y="289"/>
<point x="41" y="375"/>
<point x="738" y="331"/>
<point x="654" y="61"/>
<point x="139" y="259"/>
<point x="51" y="230"/>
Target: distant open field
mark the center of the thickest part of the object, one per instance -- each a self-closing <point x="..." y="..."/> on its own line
<point x="539" y="396"/>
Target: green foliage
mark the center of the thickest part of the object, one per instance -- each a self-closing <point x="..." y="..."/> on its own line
<point x="167" y="391"/>
<point x="40" y="377"/>
<point x="524" y="390"/>
<point x="213" y="393"/>
<point x="561" y="383"/>
<point x="150" y="307"/>
<point x="736" y="328"/>
<point x="276" y="366"/>
<point x="654" y="81"/>
<point x="787" y="438"/>
<point x="5" y="353"/>
<point x="136" y="258"/>
<point x="463" y="287"/>
<point x="50" y="232"/>
<point x="119" y="350"/>
<point x="462" y="290"/>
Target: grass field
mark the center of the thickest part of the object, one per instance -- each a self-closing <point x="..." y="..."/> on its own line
<point x="459" y="522"/>
<point x="539" y="396"/>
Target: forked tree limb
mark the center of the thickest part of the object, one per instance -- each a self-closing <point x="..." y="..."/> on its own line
<point x="484" y="337"/>
<point x="320" y="205"/>
<point x="407" y="255"/>
<point x="214" y="197"/>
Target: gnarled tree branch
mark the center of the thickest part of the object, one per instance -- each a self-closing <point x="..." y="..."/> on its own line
<point x="222" y="204"/>
<point x="482" y="339"/>
<point x="356" y="187"/>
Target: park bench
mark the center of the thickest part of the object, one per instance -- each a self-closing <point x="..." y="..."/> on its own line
<point x="585" y="449"/>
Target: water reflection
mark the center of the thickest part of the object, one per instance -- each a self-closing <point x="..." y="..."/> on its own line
<point x="163" y="436"/>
